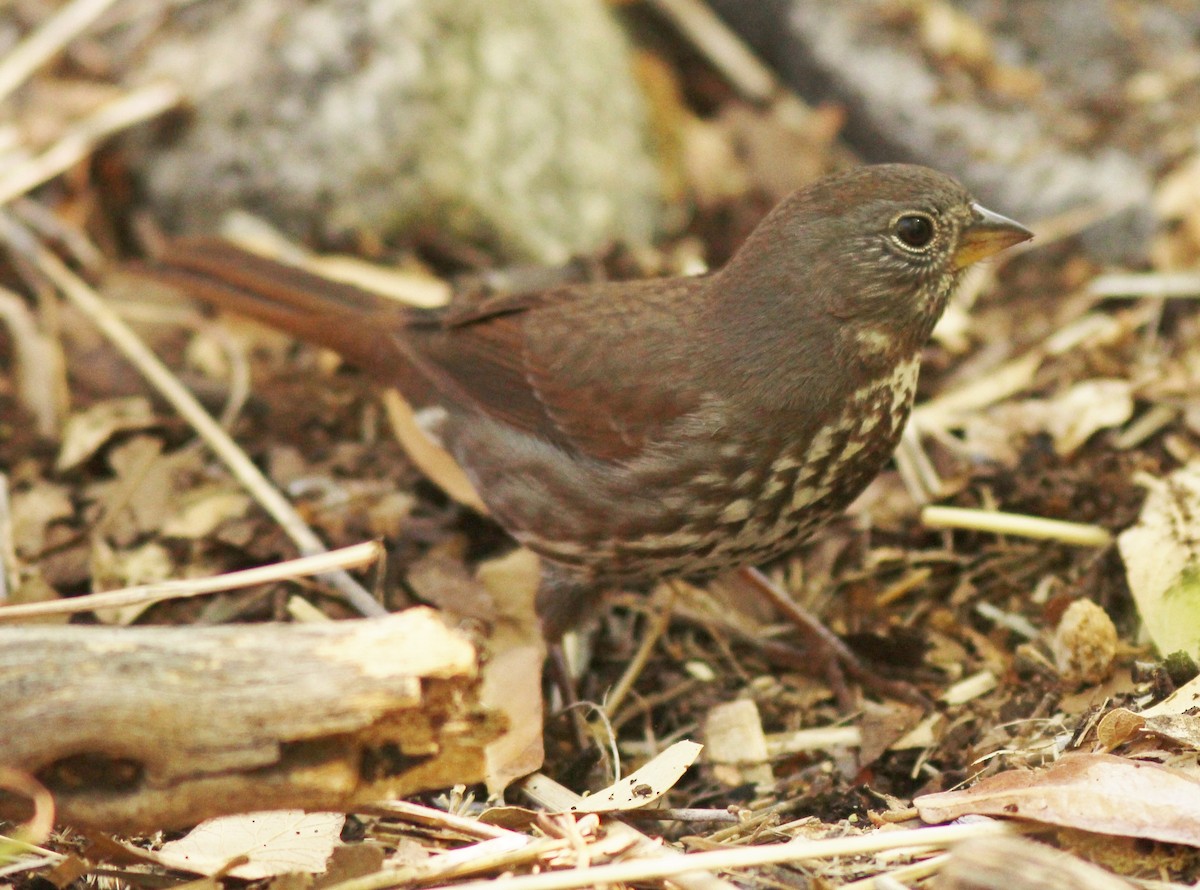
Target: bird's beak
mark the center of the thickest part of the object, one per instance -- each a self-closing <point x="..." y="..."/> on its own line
<point x="986" y="234"/>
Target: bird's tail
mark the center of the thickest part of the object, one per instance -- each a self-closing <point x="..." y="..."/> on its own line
<point x="359" y="325"/>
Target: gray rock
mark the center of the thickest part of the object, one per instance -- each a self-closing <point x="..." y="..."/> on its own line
<point x="515" y="125"/>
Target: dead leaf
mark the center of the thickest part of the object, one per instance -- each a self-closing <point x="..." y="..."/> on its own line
<point x="271" y="843"/>
<point x="1181" y="729"/>
<point x="883" y="724"/>
<point x="511" y="817"/>
<point x="1119" y="685"/>
<point x="204" y="510"/>
<point x="1185" y="699"/>
<point x="922" y="736"/>
<point x="87" y="431"/>
<point x="351" y="861"/>
<point x="646" y="785"/>
<point x="1118" y="726"/>
<point x="1069" y="418"/>
<point x="1162" y="561"/>
<point x="1085" y="409"/>
<point x="114" y="569"/>
<point x="430" y="457"/>
<point x="441" y="579"/>
<point x="1121" y="725"/>
<point x="33" y="510"/>
<point x="1100" y="793"/>
<point x="141" y="495"/>
<point x="388" y="513"/>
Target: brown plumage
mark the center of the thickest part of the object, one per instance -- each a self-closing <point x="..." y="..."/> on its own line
<point x="642" y="429"/>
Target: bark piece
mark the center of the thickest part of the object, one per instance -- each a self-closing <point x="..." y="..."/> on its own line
<point x="158" y="727"/>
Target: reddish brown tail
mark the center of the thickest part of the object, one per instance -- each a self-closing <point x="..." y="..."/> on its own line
<point x="360" y="326"/>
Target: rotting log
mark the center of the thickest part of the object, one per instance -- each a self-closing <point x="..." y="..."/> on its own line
<point x="161" y="727"/>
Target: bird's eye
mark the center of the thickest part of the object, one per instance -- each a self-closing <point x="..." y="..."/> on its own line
<point x="913" y="230"/>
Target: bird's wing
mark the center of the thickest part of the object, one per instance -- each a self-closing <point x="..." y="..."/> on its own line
<point x="586" y="368"/>
<point x="563" y="365"/>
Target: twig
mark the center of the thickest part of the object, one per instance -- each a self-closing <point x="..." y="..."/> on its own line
<point x="9" y="577"/>
<point x="841" y="658"/>
<point x="1156" y="284"/>
<point x="1018" y="624"/>
<point x="917" y="472"/>
<point x="38" y="365"/>
<point x="800" y="850"/>
<point x="913" y="579"/>
<point x="71" y="240"/>
<point x="724" y="50"/>
<point x="754" y="821"/>
<point x="239" y="375"/>
<point x="51" y="36"/>
<point x="79" y="142"/>
<point x="12" y="847"/>
<point x="20" y="865"/>
<point x="679" y="814"/>
<point x="168" y="385"/>
<point x="1078" y="533"/>
<point x="302" y="611"/>
<point x="493" y="854"/>
<point x="658" y="627"/>
<point x="1156" y="419"/>
<point x="969" y="688"/>
<point x="548" y="793"/>
<point x="320" y="563"/>
<point x="439" y="819"/>
<point x="650" y="702"/>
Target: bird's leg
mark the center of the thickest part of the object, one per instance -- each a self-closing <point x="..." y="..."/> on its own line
<point x="561" y="677"/>
<point x="564" y="603"/>
<point x="836" y="659"/>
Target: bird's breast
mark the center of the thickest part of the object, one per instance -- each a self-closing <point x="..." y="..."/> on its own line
<point x="773" y="505"/>
<point x="732" y="502"/>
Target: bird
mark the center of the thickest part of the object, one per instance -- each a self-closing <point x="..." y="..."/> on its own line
<point x="640" y="430"/>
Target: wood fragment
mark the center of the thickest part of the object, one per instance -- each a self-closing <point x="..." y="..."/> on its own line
<point x="737" y="745"/>
<point x="156" y="727"/>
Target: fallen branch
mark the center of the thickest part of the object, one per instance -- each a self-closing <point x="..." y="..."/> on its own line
<point x="157" y="727"/>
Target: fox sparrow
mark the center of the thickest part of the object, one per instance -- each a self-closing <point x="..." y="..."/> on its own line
<point x="644" y="429"/>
